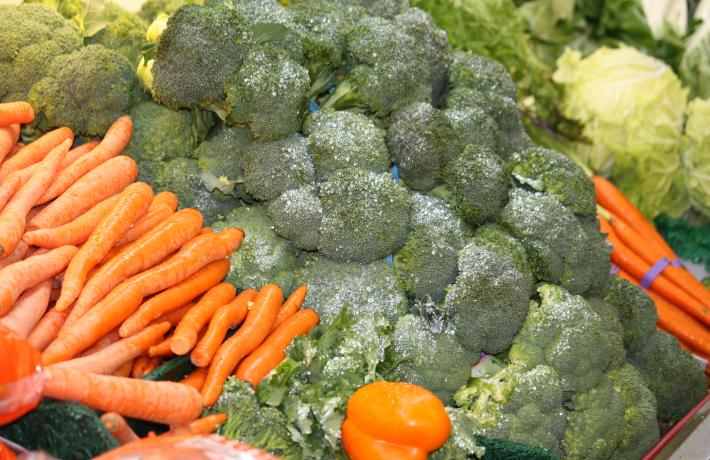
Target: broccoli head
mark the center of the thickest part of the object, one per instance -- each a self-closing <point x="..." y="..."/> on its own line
<point x="473" y="126"/>
<point x="421" y="141"/>
<point x="31" y="35"/>
<point x="615" y="332"/>
<point x="545" y="170"/>
<point x="124" y="33"/>
<point x="564" y="332"/>
<point x="271" y="24"/>
<point x="479" y="73"/>
<point x="297" y="216"/>
<point x="340" y="139"/>
<point x="432" y="211"/>
<point x="635" y="310"/>
<point x="85" y="90"/>
<point x="515" y="403"/>
<point x="496" y="239"/>
<point x="671" y="373"/>
<point x="272" y="167"/>
<point x="365" y="215"/>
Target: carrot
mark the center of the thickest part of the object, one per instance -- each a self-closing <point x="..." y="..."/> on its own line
<point x="15" y="256"/>
<point x="161" y="349"/>
<point x="174" y="317"/>
<point x="46" y="329"/>
<point x="204" y="425"/>
<point x="111" y="358"/>
<point x="249" y="336"/>
<point x="270" y="353"/>
<point x="109" y="339"/>
<point x="682" y="325"/>
<point x="19" y="146"/>
<point x="169" y="402"/>
<point x="174" y="297"/>
<point x="118" y="427"/>
<point x="125" y="370"/>
<point x="75" y="232"/>
<point x="28" y="309"/>
<point x="20" y="276"/>
<point x="116" y="139"/>
<point x="206" y="231"/>
<point x="132" y="203"/>
<point x="14" y="214"/>
<point x="8" y="187"/>
<point x="185" y="336"/>
<point x="226" y="317"/>
<point x="147" y="222"/>
<point x="291" y="305"/>
<point x="36" y="151"/>
<point x="196" y="378"/>
<point x="78" y="152"/>
<point x="12" y="113"/>
<point x="8" y="139"/>
<point x="144" y="365"/>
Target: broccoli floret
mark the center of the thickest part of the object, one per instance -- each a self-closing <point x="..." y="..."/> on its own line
<point x="671" y="373"/>
<point x="85" y="90"/>
<point x="490" y="298"/>
<point x="434" y="360"/>
<point x="615" y="332"/>
<point x="365" y="215"/>
<point x="339" y="139"/>
<point x="264" y="257"/>
<point x="516" y="403"/>
<point x="496" y="239"/>
<point x="269" y="93"/>
<point x="31" y="35"/>
<point x="473" y="126"/>
<point x="462" y="441"/>
<point x="641" y="427"/>
<point x="595" y="422"/>
<point x="297" y="216"/>
<point x="635" y="310"/>
<point x="383" y="8"/>
<point x="272" y="167"/>
<point x="361" y="289"/>
<point x="545" y="170"/>
<point x="479" y="73"/>
<point x="432" y="211"/>
<point x="124" y="33"/>
<point x="421" y="141"/>
<point x="271" y="24"/>
<point x="478" y="181"/>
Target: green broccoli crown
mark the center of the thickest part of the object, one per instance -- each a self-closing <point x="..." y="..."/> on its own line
<point x="636" y="311"/>
<point x="478" y="181"/>
<point x="641" y="426"/>
<point x="496" y="239"/>
<point x="297" y="216"/>
<point x="31" y="35"/>
<point x="565" y="333"/>
<point x="85" y="90"/>
<point x="671" y="373"/>
<point x="264" y="257"/>
<point x="421" y="141"/>
<point x="615" y="332"/>
<point x="595" y="422"/>
<point x="473" y="126"/>
<point x="479" y="73"/>
<point x="432" y="211"/>
<point x="462" y="441"/>
<point x="363" y="290"/>
<point x="340" y="139"/>
<point x="124" y="33"/>
<point x="489" y="300"/>
<point x="365" y="215"/>
<point x="545" y="170"/>
<point x="269" y="93"/>
<point x="272" y="167"/>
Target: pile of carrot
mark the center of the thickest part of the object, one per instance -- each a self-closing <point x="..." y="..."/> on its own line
<point x="108" y="279"/>
<point x="682" y="301"/>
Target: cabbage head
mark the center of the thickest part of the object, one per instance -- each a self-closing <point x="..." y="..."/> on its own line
<point x="697" y="154"/>
<point x="695" y="64"/>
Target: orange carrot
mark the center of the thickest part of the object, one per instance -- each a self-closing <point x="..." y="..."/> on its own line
<point x="8" y="187"/>
<point x="204" y="425"/>
<point x="226" y="317"/>
<point x="249" y="336"/>
<point x="20" y="276"/>
<point x="19" y="112"/>
<point x="125" y="370"/>
<point x="111" y="358"/>
<point x="270" y="353"/>
<point x="161" y="349"/>
<point x="29" y="309"/>
<point x="8" y="139"/>
<point x="78" y="152"/>
<point x="117" y="138"/>
<point x="185" y="336"/>
<point x="15" y="256"/>
<point x="147" y="222"/>
<point x="75" y="232"/>
<point x="291" y="306"/>
<point x="682" y="325"/>
<point x="132" y="203"/>
<point x="206" y="230"/>
<point x="19" y="146"/>
<point x="109" y="339"/>
<point x="144" y="365"/>
<point x="174" y="297"/>
<point x="36" y="151"/>
<point x="118" y="427"/>
<point x="46" y="329"/>
<point x="174" y="317"/>
<point x="196" y="378"/>
<point x="169" y="402"/>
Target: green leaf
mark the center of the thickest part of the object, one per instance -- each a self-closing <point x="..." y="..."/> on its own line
<point x="269" y="32"/>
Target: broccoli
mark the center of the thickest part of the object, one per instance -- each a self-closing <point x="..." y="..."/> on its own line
<point x="462" y="441"/>
<point x="640" y="425"/>
<point x="272" y="167"/>
<point x="615" y="332"/>
<point x="152" y="8"/>
<point x="297" y="216"/>
<point x="361" y="289"/>
<point x="339" y="139"/>
<point x="124" y="33"/>
<point x="545" y="170"/>
<point x="515" y="403"/>
<point x="595" y="422"/>
<point x="365" y="215"/>
<point x="564" y="332"/>
<point x="490" y="298"/>
<point x="85" y="90"/>
<point x="269" y="93"/>
<point x="635" y="310"/>
<point x="671" y="373"/>
<point x="421" y="141"/>
<point x="481" y="74"/>
<point x="264" y="257"/>
<point x="496" y="239"/>
<point x="473" y="126"/>
<point x="478" y="184"/>
<point x="432" y="211"/>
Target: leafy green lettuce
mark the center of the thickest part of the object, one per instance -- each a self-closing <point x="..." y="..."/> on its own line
<point x="697" y="155"/>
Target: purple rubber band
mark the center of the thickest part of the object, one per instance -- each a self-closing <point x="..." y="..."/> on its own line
<point x="654" y="272"/>
<point x="676" y="263"/>
<point x="614" y="269"/>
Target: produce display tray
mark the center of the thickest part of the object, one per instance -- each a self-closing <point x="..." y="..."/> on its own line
<point x="689" y="439"/>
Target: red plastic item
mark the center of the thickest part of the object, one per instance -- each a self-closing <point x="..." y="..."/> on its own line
<point x="21" y="376"/>
<point x="186" y="447"/>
